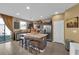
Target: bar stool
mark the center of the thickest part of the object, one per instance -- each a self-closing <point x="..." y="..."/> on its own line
<point x="33" y="46"/>
<point x="26" y="42"/>
<point x="22" y="40"/>
<point x="36" y="46"/>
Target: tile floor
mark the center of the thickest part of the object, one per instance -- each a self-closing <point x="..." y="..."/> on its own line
<point x="13" y="48"/>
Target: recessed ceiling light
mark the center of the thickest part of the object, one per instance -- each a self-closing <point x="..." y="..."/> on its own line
<point x="27" y="7"/>
<point x="17" y="13"/>
<point x="41" y="16"/>
<point x="56" y="13"/>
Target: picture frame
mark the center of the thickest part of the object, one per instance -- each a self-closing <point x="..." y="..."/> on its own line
<point x="72" y="23"/>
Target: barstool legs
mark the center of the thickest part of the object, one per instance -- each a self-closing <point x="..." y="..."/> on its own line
<point x="25" y="44"/>
<point x="21" y="42"/>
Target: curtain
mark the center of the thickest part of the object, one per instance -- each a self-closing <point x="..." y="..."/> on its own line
<point x="8" y="20"/>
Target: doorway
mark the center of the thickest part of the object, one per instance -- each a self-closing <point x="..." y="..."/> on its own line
<point x="58" y="31"/>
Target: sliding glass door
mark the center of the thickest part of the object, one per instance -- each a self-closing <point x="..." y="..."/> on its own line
<point x="2" y="33"/>
<point x="5" y="34"/>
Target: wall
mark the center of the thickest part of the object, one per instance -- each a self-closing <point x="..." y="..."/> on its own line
<point x="72" y="33"/>
<point x="72" y="12"/>
<point x="58" y="17"/>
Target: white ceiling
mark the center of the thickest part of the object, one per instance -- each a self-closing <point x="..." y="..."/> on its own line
<point x="36" y="9"/>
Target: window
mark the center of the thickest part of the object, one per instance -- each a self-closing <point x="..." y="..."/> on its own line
<point x="23" y="25"/>
<point x="5" y="33"/>
<point x="16" y="25"/>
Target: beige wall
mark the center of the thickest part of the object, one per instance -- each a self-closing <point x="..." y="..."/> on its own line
<point x="58" y="17"/>
<point x="72" y="12"/>
<point x="72" y="33"/>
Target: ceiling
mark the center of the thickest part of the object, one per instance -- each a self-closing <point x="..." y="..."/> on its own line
<point x="36" y="11"/>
